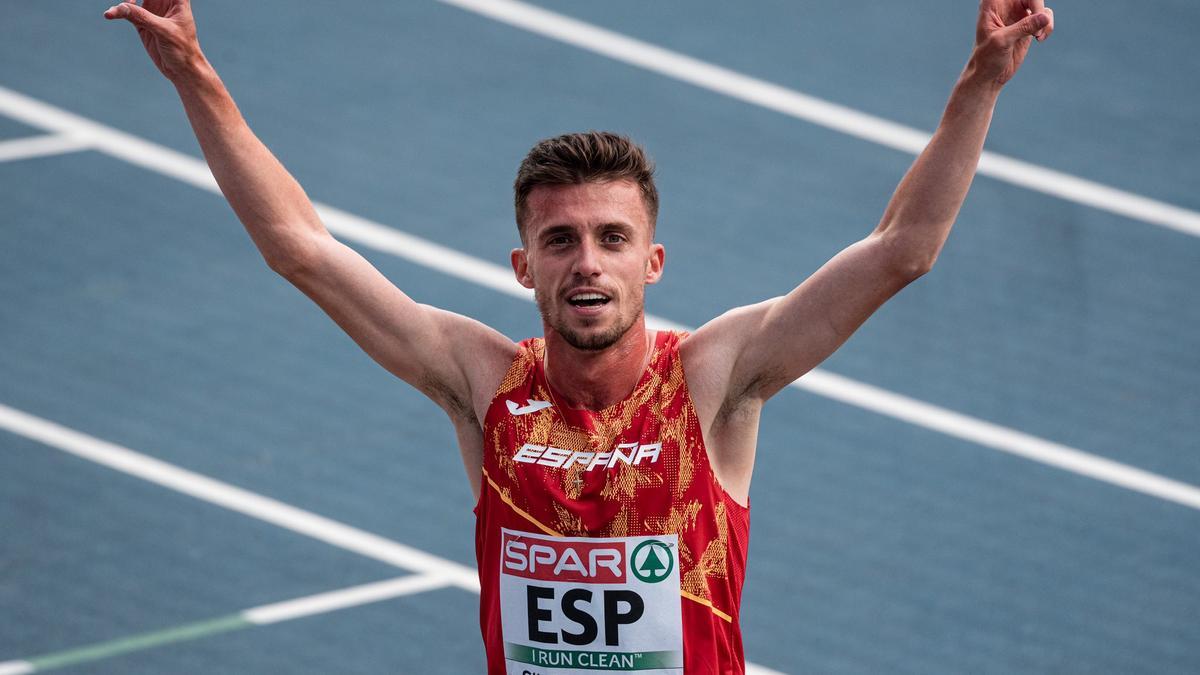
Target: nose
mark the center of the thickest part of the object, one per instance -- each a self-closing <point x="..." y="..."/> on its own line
<point x="587" y="262"/>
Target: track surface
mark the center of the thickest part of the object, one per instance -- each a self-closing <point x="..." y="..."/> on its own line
<point x="135" y="311"/>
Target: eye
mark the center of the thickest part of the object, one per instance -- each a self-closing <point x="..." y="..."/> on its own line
<point x="614" y="238"/>
<point x="558" y="240"/>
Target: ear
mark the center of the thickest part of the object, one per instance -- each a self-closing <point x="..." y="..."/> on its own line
<point x="520" y="265"/>
<point x="654" y="264"/>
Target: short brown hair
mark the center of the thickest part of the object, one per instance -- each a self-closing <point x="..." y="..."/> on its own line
<point x="592" y="156"/>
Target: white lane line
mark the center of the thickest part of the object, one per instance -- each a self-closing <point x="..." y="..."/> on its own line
<point x="1089" y="193"/>
<point x="235" y="499"/>
<point x="119" y="144"/>
<point x="422" y="252"/>
<point x="998" y="437"/>
<point x="989" y="435"/>
<point x="40" y="146"/>
<point x="433" y="572"/>
<point x="753" y="669"/>
<point x="344" y="598"/>
<point x="258" y="616"/>
<point x="821" y="112"/>
<point x="193" y="171"/>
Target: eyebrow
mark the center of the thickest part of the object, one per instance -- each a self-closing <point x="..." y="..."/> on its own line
<point x="556" y="229"/>
<point x="618" y="225"/>
<point x="570" y="229"/>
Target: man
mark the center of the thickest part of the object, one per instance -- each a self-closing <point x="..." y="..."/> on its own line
<point x="611" y="464"/>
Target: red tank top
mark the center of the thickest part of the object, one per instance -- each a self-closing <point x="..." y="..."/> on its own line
<point x="603" y="538"/>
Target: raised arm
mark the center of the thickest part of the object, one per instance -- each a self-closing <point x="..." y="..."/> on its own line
<point x="450" y="358"/>
<point x="752" y="352"/>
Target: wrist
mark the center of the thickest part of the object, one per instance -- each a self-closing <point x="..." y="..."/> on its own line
<point x="195" y="71"/>
<point x="975" y="81"/>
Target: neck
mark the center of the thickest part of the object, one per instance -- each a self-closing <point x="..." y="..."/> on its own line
<point x="596" y="379"/>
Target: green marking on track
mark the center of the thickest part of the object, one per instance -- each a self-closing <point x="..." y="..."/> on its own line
<point x="104" y="650"/>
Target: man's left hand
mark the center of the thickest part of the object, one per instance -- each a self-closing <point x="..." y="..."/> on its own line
<point x="1004" y="33"/>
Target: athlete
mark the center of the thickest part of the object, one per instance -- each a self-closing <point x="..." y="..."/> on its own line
<point x="611" y="463"/>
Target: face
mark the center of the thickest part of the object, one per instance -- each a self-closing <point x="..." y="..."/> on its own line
<point x="588" y="256"/>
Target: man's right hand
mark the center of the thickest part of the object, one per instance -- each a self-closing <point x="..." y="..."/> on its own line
<point x="167" y="31"/>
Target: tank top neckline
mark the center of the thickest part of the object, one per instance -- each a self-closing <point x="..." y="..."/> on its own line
<point x="584" y="417"/>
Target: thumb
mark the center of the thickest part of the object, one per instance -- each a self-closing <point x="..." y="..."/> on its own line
<point x="1027" y="27"/>
<point x="135" y="14"/>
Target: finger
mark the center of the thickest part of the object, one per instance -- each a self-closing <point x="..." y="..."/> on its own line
<point x="114" y="12"/>
<point x="134" y="14"/>
<point x="1048" y="30"/>
<point x="1027" y="27"/>
<point x="1034" y="6"/>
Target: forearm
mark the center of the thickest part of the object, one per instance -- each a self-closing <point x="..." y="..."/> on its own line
<point x="924" y="207"/>
<point x="270" y="203"/>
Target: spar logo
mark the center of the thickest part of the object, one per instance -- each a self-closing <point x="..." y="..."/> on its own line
<point x="600" y="562"/>
<point x="573" y="561"/>
<point x="652" y="561"/>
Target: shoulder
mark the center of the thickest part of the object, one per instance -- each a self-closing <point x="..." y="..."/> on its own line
<point x="716" y="345"/>
<point x="710" y="357"/>
<point x="481" y="354"/>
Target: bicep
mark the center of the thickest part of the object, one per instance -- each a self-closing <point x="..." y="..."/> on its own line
<point x="781" y="339"/>
<point x="422" y="345"/>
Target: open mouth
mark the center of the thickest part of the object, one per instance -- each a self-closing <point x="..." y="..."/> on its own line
<point x="588" y="299"/>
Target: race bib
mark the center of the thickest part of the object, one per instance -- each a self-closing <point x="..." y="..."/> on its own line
<point x="576" y="605"/>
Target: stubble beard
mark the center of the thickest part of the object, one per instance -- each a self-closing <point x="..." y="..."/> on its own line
<point x="589" y="341"/>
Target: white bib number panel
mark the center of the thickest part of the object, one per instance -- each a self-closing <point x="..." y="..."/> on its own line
<point x="578" y="605"/>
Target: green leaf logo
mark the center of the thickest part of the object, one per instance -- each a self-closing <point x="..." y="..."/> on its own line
<point x="652" y="561"/>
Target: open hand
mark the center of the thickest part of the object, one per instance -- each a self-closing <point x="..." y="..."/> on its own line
<point x="1004" y="33"/>
<point x="167" y="30"/>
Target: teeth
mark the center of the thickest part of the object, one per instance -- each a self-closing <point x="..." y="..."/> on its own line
<point x="588" y="296"/>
